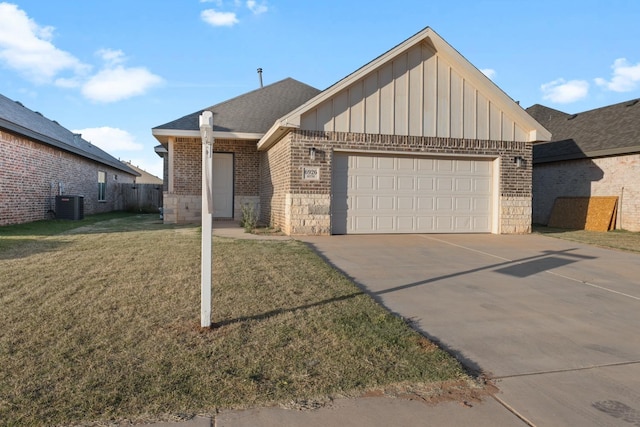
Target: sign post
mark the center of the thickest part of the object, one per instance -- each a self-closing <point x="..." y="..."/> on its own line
<point x="206" y="131"/>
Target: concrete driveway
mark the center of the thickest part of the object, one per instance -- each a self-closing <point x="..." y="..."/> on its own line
<point x="555" y="323"/>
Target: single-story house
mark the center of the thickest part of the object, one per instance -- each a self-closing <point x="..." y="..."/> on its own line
<point x="40" y="159"/>
<point x="594" y="153"/>
<point x="416" y="141"/>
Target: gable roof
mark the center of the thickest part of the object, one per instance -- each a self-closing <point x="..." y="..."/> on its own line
<point x="247" y="116"/>
<point x="16" y="118"/>
<point x="605" y="131"/>
<point x="293" y="120"/>
<point x="144" y="176"/>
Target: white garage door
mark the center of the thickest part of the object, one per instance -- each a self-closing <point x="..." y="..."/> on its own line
<point x="385" y="194"/>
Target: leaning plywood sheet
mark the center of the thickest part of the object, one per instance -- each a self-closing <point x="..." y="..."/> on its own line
<point x="584" y="213"/>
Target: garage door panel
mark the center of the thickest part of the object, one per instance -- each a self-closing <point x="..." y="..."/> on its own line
<point x="463" y="204"/>
<point x="444" y="184"/>
<point x="403" y="194"/>
<point x="444" y="165"/>
<point x="444" y="204"/>
<point x="464" y="184"/>
<point x="406" y="183"/>
<point x="406" y="204"/>
<point x="426" y="183"/>
<point x="426" y="204"/>
<point x="386" y="183"/>
<point x="385" y="202"/>
<point x="426" y="165"/>
<point x="364" y="182"/>
<point x="405" y="224"/>
<point x="364" y="203"/>
<point x="385" y="223"/>
<point x="482" y="185"/>
<point x="387" y="163"/>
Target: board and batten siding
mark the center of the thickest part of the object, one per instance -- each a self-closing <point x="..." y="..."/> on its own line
<point x="419" y="93"/>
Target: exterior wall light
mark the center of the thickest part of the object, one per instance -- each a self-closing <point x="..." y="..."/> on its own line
<point x="519" y="161"/>
<point x="312" y="153"/>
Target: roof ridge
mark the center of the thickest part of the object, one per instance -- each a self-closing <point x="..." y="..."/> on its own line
<point x="253" y="92"/>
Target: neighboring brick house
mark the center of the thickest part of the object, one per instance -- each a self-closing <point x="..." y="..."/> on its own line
<point x="39" y="159"/>
<point x="416" y="141"/>
<point x="594" y="153"/>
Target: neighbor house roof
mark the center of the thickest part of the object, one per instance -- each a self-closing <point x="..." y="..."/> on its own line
<point x="292" y="120"/>
<point x="246" y="116"/>
<point x="16" y="118"/>
<point x="145" y="177"/>
<point x="606" y="131"/>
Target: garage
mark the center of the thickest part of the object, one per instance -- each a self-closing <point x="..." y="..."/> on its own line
<point x="378" y="193"/>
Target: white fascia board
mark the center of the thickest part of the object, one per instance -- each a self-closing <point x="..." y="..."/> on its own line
<point x="273" y="135"/>
<point x="158" y="133"/>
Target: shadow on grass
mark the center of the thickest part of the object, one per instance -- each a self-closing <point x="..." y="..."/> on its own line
<point x="23" y="248"/>
<point x="272" y="313"/>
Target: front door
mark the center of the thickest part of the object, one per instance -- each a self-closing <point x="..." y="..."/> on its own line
<point x="223" y="185"/>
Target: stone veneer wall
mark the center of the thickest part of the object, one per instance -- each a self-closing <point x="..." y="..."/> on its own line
<point x="607" y="176"/>
<point x="30" y="172"/>
<point x="306" y="204"/>
<point x="184" y="204"/>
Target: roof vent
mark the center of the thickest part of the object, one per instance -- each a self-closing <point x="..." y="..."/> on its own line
<point x="571" y="117"/>
<point x="20" y="103"/>
<point x="38" y="113"/>
<point x="632" y="103"/>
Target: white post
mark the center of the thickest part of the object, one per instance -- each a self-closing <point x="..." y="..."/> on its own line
<point x="206" y="131"/>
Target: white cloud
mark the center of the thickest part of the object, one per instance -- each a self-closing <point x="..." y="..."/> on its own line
<point x="626" y="77"/>
<point x="26" y="47"/>
<point x="565" y="92"/>
<point x="111" y="57"/>
<point x="489" y="72"/>
<point x="118" y="83"/>
<point x="256" y="8"/>
<point x="219" y="19"/>
<point x="110" y="139"/>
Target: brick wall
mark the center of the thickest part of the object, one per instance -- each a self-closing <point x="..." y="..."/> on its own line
<point x="284" y="163"/>
<point x="275" y="183"/>
<point x="30" y="174"/>
<point x="184" y="203"/>
<point x="608" y="176"/>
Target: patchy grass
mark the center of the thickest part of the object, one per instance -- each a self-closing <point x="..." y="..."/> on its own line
<point x="102" y="323"/>
<point x="11" y="235"/>
<point x="618" y="239"/>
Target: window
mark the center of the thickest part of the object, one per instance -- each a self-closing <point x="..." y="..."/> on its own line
<point x="102" y="186"/>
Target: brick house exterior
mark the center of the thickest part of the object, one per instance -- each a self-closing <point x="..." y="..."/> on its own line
<point x="39" y="159"/>
<point x="594" y="153"/>
<point x="420" y="105"/>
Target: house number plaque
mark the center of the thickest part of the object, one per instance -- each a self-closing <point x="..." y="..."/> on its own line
<point x="310" y="174"/>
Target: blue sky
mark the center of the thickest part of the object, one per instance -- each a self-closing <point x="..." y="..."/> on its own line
<point x="115" y="69"/>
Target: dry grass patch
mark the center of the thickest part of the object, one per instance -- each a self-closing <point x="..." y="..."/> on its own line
<point x="618" y="239"/>
<point x="101" y="323"/>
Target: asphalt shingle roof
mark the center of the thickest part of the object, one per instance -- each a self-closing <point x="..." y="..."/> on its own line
<point x="17" y="118"/>
<point x="606" y="131"/>
<point x="252" y="112"/>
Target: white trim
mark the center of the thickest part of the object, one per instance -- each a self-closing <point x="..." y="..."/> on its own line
<point x="419" y="154"/>
<point x="178" y="133"/>
<point x="497" y="214"/>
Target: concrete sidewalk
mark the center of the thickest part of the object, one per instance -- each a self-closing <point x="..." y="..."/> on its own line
<point x="366" y="411"/>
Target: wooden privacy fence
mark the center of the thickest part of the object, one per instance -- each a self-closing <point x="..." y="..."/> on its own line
<point x="141" y="197"/>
